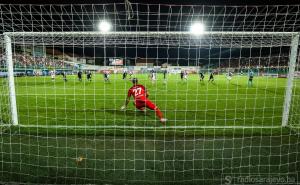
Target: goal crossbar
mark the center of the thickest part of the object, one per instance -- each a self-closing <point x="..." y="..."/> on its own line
<point x="144" y="33"/>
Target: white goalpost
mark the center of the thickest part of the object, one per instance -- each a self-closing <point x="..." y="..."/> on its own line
<point x="12" y="90"/>
<point x="290" y="77"/>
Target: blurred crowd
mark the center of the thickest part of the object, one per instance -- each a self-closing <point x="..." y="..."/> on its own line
<point x="255" y="62"/>
<point x="26" y="61"/>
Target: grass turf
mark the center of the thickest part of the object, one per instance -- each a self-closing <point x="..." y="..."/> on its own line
<point x="41" y="101"/>
<point x="144" y="160"/>
<point x="165" y="156"/>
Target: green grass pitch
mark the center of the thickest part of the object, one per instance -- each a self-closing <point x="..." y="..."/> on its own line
<point x="158" y="155"/>
<point x="41" y="101"/>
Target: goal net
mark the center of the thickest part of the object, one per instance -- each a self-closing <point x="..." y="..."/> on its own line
<point x="218" y="107"/>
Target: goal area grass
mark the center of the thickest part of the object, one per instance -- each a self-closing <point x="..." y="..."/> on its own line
<point x="144" y="160"/>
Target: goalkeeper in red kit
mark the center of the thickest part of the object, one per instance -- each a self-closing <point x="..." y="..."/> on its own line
<point x="141" y="101"/>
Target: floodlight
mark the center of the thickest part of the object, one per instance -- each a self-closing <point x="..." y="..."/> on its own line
<point x="197" y="28"/>
<point x="104" y="26"/>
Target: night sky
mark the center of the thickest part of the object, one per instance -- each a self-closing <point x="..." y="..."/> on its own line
<point x="224" y="16"/>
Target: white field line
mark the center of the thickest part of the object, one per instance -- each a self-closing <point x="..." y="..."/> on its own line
<point x="145" y="127"/>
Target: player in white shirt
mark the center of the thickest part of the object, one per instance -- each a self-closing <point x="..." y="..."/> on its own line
<point x="185" y="75"/>
<point x="52" y="73"/>
<point x="153" y="76"/>
<point x="130" y="75"/>
<point x="229" y="76"/>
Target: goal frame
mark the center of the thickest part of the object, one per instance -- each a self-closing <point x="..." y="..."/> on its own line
<point x="290" y="76"/>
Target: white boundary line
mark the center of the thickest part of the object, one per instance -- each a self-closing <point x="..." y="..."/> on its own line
<point x="146" y="127"/>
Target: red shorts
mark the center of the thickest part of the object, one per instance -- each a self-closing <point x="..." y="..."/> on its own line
<point x="139" y="104"/>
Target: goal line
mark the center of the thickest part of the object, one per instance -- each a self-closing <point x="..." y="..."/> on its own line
<point x="145" y="127"/>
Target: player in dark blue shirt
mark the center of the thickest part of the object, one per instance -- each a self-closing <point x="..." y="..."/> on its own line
<point x="165" y="72"/>
<point x="250" y="81"/>
<point x="211" y="77"/>
<point x="201" y="75"/>
<point x="64" y="74"/>
<point x="89" y="76"/>
<point x="106" y="76"/>
<point x="124" y="74"/>
<point x="79" y="75"/>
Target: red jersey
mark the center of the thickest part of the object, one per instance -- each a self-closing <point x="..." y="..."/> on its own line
<point x="138" y="92"/>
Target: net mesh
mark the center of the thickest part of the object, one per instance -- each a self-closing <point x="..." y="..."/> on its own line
<point x="221" y="130"/>
<point x="150" y="39"/>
